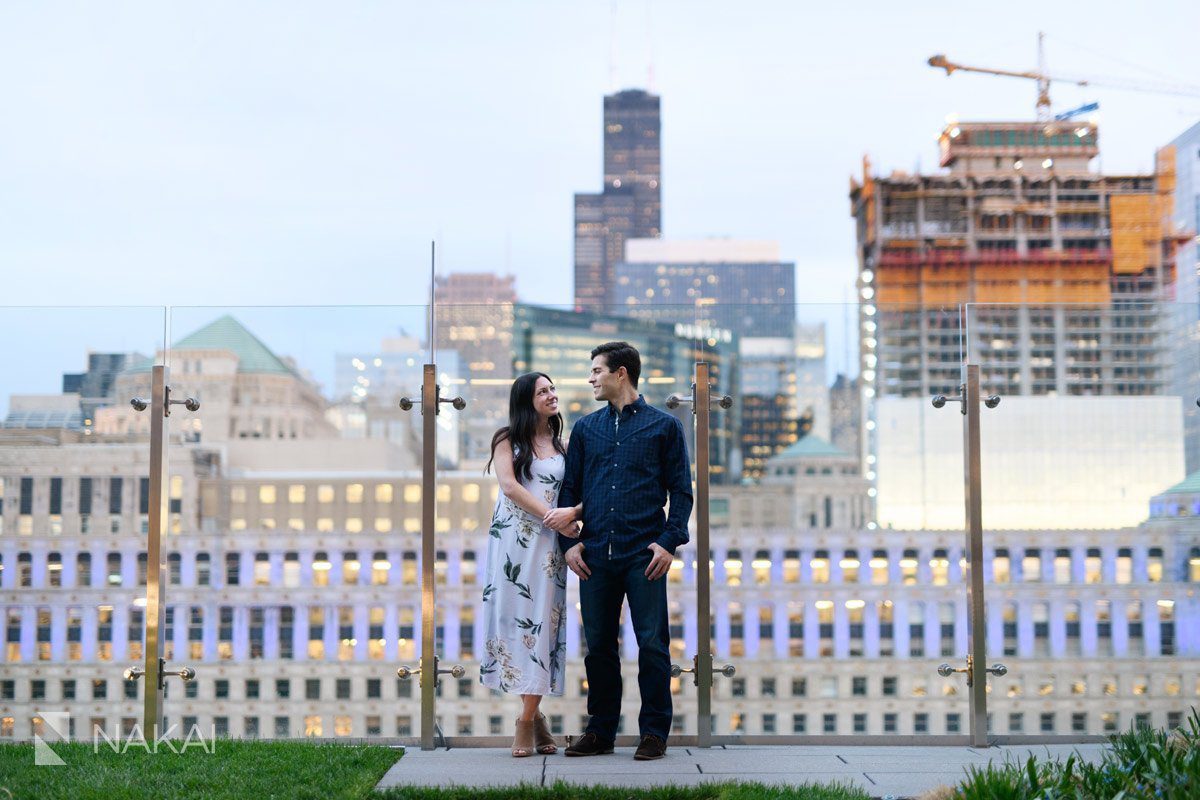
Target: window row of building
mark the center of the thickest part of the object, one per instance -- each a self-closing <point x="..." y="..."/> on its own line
<point x="730" y="567"/>
<point x="823" y="628"/>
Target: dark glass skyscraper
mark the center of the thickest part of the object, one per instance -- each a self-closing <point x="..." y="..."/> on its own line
<point x="630" y="205"/>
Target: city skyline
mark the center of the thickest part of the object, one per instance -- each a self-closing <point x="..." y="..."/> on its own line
<point x="323" y="171"/>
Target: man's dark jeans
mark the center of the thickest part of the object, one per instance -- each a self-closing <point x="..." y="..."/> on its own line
<point x="600" y="598"/>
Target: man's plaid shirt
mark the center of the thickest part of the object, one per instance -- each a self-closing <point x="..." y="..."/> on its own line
<point x="624" y="468"/>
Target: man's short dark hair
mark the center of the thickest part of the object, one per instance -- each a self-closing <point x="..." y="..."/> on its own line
<point x="621" y="354"/>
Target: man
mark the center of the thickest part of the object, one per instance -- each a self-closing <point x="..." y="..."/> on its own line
<point x="622" y="463"/>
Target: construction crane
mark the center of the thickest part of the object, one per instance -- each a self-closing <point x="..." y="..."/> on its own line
<point x="1044" y="80"/>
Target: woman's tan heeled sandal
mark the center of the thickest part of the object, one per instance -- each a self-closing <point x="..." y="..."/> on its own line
<point x="542" y="736"/>
<point x="522" y="745"/>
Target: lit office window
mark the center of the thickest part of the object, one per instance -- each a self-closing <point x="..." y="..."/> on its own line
<point x="380" y="566"/>
<point x="1133" y="615"/>
<point x="225" y="633"/>
<point x="350" y="568"/>
<point x="733" y="568"/>
<point x="1071" y="616"/>
<point x="820" y="566"/>
<point x="470" y="493"/>
<point x="762" y="567"/>
<point x="939" y="566"/>
<point x="1009" y="624"/>
<point x="854" y="613"/>
<point x="354" y="493"/>
<point x="1093" y="566"/>
<point x="1001" y="566"/>
<point x="296" y="493"/>
<point x="825" y="627"/>
<point x="316" y="632"/>
<point x="354" y="525"/>
<point x="887" y="627"/>
<point x="321" y="567"/>
<point x="916" y="629"/>
<point x="1166" y="626"/>
<point x="879" y="567"/>
<point x="195" y="632"/>
<point x="849" y="566"/>
<point x="346" y="640"/>
<point x="412" y="493"/>
<point x="54" y="570"/>
<point x="74" y="634"/>
<point x="908" y="567"/>
<point x="1031" y="566"/>
<point x="469" y="569"/>
<point x="737" y="630"/>
<point x="795" y="629"/>
<point x="291" y="569"/>
<point x="406" y="641"/>
<point x="104" y="633"/>
<point x="325" y="493"/>
<point x="262" y="569"/>
<point x="1154" y="565"/>
<point x="266" y="495"/>
<point x="791" y="566"/>
<point x="408" y="569"/>
<point x="1124" y="565"/>
<point x="1062" y="566"/>
<point x="1194" y="565"/>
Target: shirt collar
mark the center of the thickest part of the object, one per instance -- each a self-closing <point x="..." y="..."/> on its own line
<point x="632" y="408"/>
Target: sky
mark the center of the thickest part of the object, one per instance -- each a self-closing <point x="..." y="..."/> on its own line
<point x="278" y="153"/>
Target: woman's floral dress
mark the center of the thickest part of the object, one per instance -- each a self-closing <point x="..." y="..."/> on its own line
<point x="525" y="593"/>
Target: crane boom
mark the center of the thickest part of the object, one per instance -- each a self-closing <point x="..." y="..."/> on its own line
<point x="1044" y="80"/>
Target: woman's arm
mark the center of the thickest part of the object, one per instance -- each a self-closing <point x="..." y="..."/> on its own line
<point x="512" y="487"/>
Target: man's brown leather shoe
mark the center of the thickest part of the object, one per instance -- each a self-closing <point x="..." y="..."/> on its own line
<point x="650" y="749"/>
<point x="589" y="745"/>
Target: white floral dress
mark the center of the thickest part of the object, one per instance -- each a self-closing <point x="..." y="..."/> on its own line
<point x="525" y="593"/>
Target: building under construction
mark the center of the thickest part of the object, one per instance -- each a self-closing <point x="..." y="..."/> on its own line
<point x="1070" y="268"/>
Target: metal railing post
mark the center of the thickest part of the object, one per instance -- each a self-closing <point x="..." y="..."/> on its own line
<point x="702" y="663"/>
<point x="429" y="410"/>
<point x="429" y="670"/>
<point x="976" y="669"/>
<point x="155" y="669"/>
<point x="976" y="627"/>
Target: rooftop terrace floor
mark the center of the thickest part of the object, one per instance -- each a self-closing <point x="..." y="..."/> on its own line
<point x="897" y="771"/>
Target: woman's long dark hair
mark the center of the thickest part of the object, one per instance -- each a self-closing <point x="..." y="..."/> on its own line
<point x="522" y="426"/>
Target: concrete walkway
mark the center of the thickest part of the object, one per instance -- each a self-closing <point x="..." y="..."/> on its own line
<point x="896" y="772"/>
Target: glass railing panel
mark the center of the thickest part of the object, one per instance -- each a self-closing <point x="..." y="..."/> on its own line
<point x="295" y="589"/>
<point x="1088" y="514"/>
<point x="74" y="508"/>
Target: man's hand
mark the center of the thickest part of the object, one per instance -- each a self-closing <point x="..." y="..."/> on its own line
<point x="562" y="520"/>
<point x="574" y="559"/>
<point x="661" y="562"/>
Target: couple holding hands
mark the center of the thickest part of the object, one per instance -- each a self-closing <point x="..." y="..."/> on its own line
<point x="613" y="478"/>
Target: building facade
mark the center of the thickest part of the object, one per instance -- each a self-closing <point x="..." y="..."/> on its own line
<point x="630" y="204"/>
<point x="1067" y="270"/>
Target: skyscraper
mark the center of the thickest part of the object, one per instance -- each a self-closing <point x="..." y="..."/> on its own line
<point x="630" y="204"/>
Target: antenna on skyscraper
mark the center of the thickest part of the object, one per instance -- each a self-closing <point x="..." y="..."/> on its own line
<point x="612" y="48"/>
<point x="649" y="49"/>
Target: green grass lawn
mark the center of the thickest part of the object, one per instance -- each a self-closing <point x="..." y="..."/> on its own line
<point x="256" y="769"/>
<point x="236" y="769"/>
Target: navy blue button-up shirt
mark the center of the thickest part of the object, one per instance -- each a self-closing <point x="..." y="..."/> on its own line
<point x="623" y="470"/>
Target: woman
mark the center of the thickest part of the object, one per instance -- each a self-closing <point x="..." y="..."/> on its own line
<point x="524" y="593"/>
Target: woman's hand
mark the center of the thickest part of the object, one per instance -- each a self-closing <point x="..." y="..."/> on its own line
<point x="562" y="520"/>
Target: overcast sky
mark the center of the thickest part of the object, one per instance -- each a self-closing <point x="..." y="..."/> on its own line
<point x="297" y="152"/>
